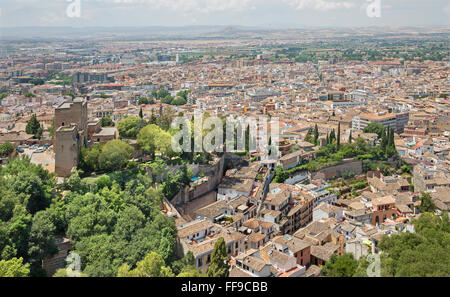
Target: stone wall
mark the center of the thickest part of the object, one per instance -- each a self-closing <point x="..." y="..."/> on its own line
<point x="348" y="165"/>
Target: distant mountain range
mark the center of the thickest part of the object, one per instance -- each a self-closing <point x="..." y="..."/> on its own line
<point x="192" y="32"/>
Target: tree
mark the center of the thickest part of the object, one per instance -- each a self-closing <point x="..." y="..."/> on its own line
<point x="338" y="140"/>
<point x="62" y="272"/>
<point x="51" y="130"/>
<point x="185" y="264"/>
<point x="153" y="139"/>
<point x="33" y="125"/>
<point x="130" y="126"/>
<point x="316" y="135"/>
<point x="39" y="132"/>
<point x="219" y="266"/>
<point x="115" y="155"/>
<point x="107" y="121"/>
<point x="350" y="138"/>
<point x="184" y="94"/>
<point x="332" y="136"/>
<point x="420" y="254"/>
<point x="14" y="268"/>
<point x="167" y="100"/>
<point x="163" y="93"/>
<point x="280" y="175"/>
<point x="151" y="266"/>
<point x="42" y="240"/>
<point x="89" y="158"/>
<point x="178" y="101"/>
<point x="30" y="184"/>
<point x="6" y="149"/>
<point x="374" y="128"/>
<point x="142" y="100"/>
<point x="309" y="136"/>
<point x="3" y="96"/>
<point x="340" y="266"/>
<point x="426" y="203"/>
<point x="141" y="115"/>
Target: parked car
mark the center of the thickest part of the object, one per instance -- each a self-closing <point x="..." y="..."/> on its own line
<point x="19" y="149"/>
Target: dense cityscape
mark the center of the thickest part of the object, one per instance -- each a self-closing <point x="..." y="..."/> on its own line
<point x="350" y="162"/>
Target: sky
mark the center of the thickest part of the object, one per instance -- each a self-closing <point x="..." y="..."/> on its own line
<point x="259" y="13"/>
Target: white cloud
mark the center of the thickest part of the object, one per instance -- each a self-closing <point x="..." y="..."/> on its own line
<point x="321" y="5"/>
<point x="201" y="6"/>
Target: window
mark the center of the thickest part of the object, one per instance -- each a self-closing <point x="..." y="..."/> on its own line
<point x="200" y="262"/>
<point x="208" y="259"/>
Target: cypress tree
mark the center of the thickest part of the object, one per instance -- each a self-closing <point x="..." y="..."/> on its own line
<point x="308" y="134"/>
<point x="219" y="266"/>
<point x="32" y="125"/>
<point x="338" y="140"/>
<point x="316" y="134"/>
<point x="332" y="136"/>
<point x="141" y="115"/>
<point x="383" y="139"/>
<point x="350" y="137"/>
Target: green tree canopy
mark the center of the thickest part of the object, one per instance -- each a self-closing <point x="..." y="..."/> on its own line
<point x="219" y="266"/>
<point x="426" y="203"/>
<point x="340" y="266"/>
<point x="420" y="254"/>
<point x="107" y="121"/>
<point x="14" y="268"/>
<point x="151" y="266"/>
<point x="115" y="155"/>
<point x="6" y="149"/>
<point x="374" y="128"/>
<point x="33" y="125"/>
<point x="152" y="139"/>
<point x="130" y="126"/>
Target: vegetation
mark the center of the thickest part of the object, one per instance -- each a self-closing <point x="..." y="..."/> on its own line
<point x="107" y="122"/>
<point x="359" y="149"/>
<point x="426" y="203"/>
<point x="14" y="268"/>
<point x="26" y="230"/>
<point x="151" y="266"/>
<point x="130" y="126"/>
<point x="146" y="100"/>
<point x="6" y="149"/>
<point x="219" y="266"/>
<point x="115" y="155"/>
<point x="152" y="139"/>
<point x="115" y="219"/>
<point x="34" y="127"/>
<point x="340" y="266"/>
<point x="111" y="156"/>
<point x="420" y="254"/>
